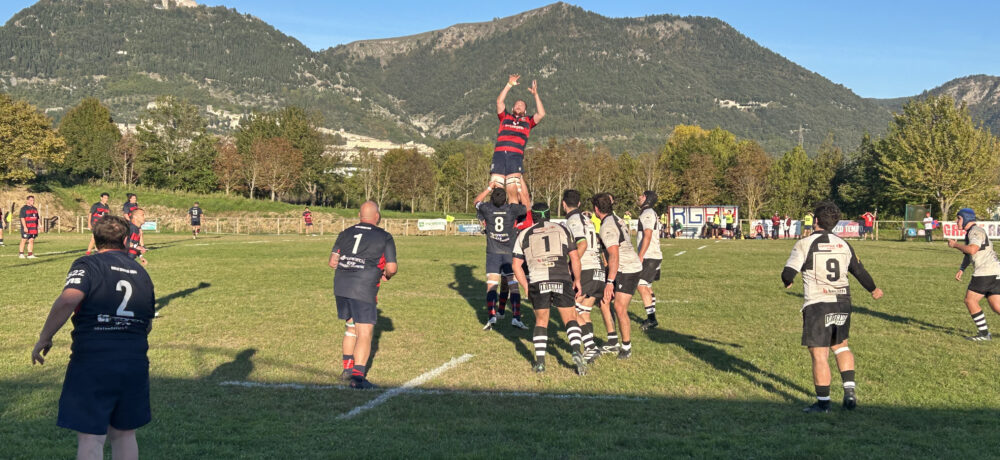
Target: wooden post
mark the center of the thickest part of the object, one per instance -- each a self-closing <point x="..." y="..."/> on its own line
<point x="321" y="228"/>
<point x="279" y="226"/>
<point x="237" y="225"/>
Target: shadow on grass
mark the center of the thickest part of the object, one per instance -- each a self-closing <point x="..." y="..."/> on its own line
<point x="721" y="360"/>
<point x="162" y="302"/>
<point x="239" y="369"/>
<point x="382" y="324"/>
<point x="924" y="325"/>
<point x="473" y="290"/>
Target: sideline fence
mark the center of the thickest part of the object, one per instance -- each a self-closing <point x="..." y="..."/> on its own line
<point x="289" y="226"/>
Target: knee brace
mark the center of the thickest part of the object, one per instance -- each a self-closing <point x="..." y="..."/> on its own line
<point x="497" y="179"/>
<point x="841" y="350"/>
<point x="583" y="309"/>
<point x="514" y="180"/>
<point x="348" y="326"/>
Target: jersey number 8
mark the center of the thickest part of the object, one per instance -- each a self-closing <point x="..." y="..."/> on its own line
<point x="498" y="224"/>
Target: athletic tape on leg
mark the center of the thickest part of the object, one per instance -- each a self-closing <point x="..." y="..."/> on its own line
<point x="841" y="350"/>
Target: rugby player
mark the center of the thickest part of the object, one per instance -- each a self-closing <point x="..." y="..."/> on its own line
<point x="824" y="259"/>
<point x="195" y="212"/>
<point x="29" y="228"/>
<point x="554" y="267"/>
<point x="978" y="250"/>
<point x="136" y="243"/>
<point x="512" y="136"/>
<point x="499" y="218"/>
<point x="591" y="269"/>
<point x="307" y="216"/>
<point x="363" y="256"/>
<point x="105" y="394"/>
<point x="623" y="273"/>
<point x="97" y="211"/>
<point x="650" y="254"/>
<point x="131" y="203"/>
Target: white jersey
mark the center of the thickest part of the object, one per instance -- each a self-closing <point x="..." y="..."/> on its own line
<point x="582" y="228"/>
<point x="984" y="260"/>
<point x="614" y="233"/>
<point x="824" y="259"/>
<point x="649" y="221"/>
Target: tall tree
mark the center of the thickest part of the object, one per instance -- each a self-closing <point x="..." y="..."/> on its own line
<point x="228" y="165"/>
<point x="177" y="150"/>
<point x="747" y="178"/>
<point x="698" y="181"/>
<point x="408" y="171"/>
<point x="790" y="177"/>
<point x="280" y="165"/>
<point x="90" y="136"/>
<point x="860" y="186"/>
<point x="933" y="150"/>
<point x="123" y="156"/>
<point x="826" y="165"/>
<point x="27" y="142"/>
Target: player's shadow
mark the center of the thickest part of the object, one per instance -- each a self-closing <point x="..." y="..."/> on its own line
<point x="162" y="302"/>
<point x="705" y="350"/>
<point x="382" y="324"/>
<point x="238" y="370"/>
<point x="50" y="258"/>
<point x="897" y="319"/>
<point x="473" y="290"/>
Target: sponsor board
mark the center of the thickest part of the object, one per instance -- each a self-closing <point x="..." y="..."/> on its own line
<point x="951" y="230"/>
<point x="425" y="225"/>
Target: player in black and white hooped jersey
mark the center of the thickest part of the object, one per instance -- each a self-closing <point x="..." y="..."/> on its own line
<point x="499" y="218"/>
<point x="978" y="250"/>
<point x="825" y="260"/>
<point x="105" y="394"/>
<point x="363" y="256"/>
<point x="592" y="274"/>
<point x="648" y="244"/>
<point x="624" y="270"/>
<point x="554" y="269"/>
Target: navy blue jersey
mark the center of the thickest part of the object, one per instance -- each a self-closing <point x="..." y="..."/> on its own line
<point x="499" y="223"/>
<point x="134" y="240"/>
<point x="97" y="211"/>
<point x="364" y="250"/>
<point x="195" y="213"/>
<point x="116" y="314"/>
<point x="127" y="209"/>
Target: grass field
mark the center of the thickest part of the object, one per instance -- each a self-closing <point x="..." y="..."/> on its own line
<point x="724" y="375"/>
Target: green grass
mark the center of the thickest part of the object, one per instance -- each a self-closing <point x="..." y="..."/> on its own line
<point x="723" y="377"/>
<point x="82" y="196"/>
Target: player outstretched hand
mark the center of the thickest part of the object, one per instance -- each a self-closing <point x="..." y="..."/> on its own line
<point x="512" y="79"/>
<point x="958" y="276"/>
<point x="534" y="87"/>
<point x="42" y="348"/>
<point x="952" y="243"/>
<point x="877" y="293"/>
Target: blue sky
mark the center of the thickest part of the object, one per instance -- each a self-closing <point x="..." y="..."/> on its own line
<point x="876" y="48"/>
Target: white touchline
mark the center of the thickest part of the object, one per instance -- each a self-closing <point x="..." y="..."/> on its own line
<point x="408" y="386"/>
<point x="679" y="253"/>
<point x="703" y="247"/>
<point x="440" y="392"/>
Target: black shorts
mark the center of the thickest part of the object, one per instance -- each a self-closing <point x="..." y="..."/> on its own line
<point x="362" y="312"/>
<point x="96" y="394"/>
<point x="593" y="282"/>
<point x="826" y="324"/>
<point x="196" y="223"/>
<point x="650" y="271"/>
<point x="627" y="282"/>
<point x="28" y="236"/>
<point x="808" y="227"/>
<point x="500" y="263"/>
<point x="507" y="163"/>
<point x="985" y="285"/>
<point x="729" y="226"/>
<point x="548" y="294"/>
<point x="865" y="230"/>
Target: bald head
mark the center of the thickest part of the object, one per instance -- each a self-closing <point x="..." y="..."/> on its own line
<point x="369" y="213"/>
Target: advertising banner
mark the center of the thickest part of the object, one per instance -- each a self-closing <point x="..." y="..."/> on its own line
<point x="693" y="218"/>
<point x="952" y="232"/>
<point x="431" y="224"/>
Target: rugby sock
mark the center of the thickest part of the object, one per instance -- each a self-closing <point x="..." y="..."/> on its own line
<point x="848" y="378"/>
<point x="651" y="309"/>
<point x="980" y="320"/>
<point x="612" y="338"/>
<point x="573" y="333"/>
<point x="502" y="300"/>
<point x="491" y="302"/>
<point x="348" y="361"/>
<point x="823" y="393"/>
<point x="359" y="372"/>
<point x="626" y="345"/>
<point x="588" y="336"/>
<point x="515" y="304"/>
<point x="541" y="339"/>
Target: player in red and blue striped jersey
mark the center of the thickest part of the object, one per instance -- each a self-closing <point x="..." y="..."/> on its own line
<point x="512" y="137"/>
<point x="97" y="211"/>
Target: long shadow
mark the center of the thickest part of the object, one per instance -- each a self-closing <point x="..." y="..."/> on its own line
<point x="162" y="302"/>
<point x="725" y="362"/>
<point x="167" y="244"/>
<point x="382" y="324"/>
<point x="473" y="290"/>
<point x="898" y="319"/>
<point x="239" y="369"/>
<point x="47" y="259"/>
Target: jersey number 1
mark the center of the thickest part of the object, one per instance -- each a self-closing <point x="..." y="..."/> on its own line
<point x="357" y="242"/>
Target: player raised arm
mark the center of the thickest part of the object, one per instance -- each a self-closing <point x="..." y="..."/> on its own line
<point x="511" y="81"/>
<point x="540" y="111"/>
<point x="62" y="309"/>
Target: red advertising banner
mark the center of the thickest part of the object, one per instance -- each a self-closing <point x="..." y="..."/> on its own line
<point x="847" y="229"/>
<point x="952" y="232"/>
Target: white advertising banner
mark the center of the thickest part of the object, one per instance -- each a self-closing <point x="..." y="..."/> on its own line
<point x="431" y="224"/>
<point x="951" y="230"/>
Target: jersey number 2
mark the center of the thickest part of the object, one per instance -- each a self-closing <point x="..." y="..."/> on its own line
<point x="127" y="287"/>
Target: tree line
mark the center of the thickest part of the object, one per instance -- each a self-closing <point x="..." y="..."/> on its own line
<point x="932" y="153"/>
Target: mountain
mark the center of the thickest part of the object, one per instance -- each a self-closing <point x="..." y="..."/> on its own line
<point x="981" y="93"/>
<point x="622" y="81"/>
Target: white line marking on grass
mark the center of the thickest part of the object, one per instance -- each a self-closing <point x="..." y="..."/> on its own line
<point x="703" y="247"/>
<point x="45" y="253"/>
<point x="718" y="241"/>
<point x="441" y="392"/>
<point x="679" y="253"/>
<point x="406" y="387"/>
